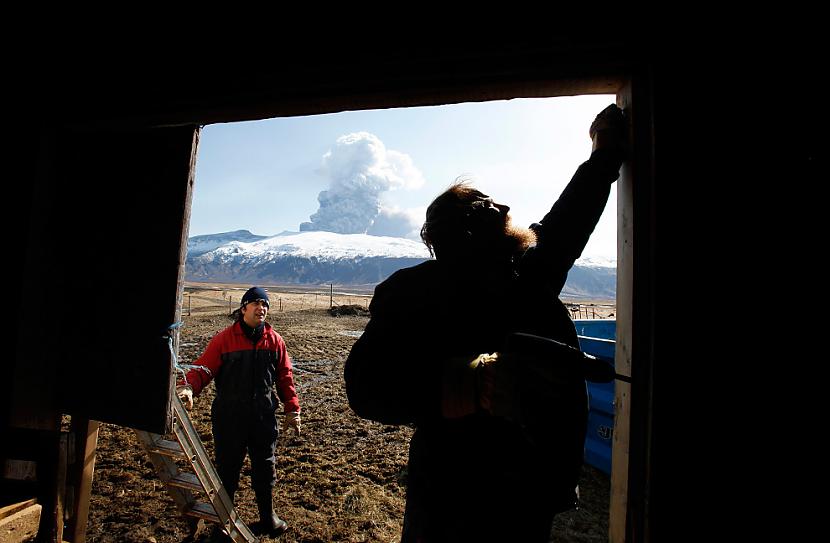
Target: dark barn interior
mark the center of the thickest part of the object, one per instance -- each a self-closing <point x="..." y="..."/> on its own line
<point x="103" y="161"/>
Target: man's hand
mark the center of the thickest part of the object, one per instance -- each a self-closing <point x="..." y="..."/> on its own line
<point x="484" y="383"/>
<point x="291" y="420"/>
<point x="504" y="384"/>
<point x="609" y="130"/>
<point x="498" y="391"/>
<point x="185" y="394"/>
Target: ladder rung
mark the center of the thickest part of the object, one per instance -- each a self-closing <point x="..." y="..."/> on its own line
<point x="186" y="480"/>
<point x="203" y="510"/>
<point x="167" y="448"/>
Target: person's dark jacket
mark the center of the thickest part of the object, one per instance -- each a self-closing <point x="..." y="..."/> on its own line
<point x="481" y="478"/>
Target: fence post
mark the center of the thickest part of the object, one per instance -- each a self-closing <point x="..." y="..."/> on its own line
<point x="331" y="295"/>
<point x="188" y="305"/>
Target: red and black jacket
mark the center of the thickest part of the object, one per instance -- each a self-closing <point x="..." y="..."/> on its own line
<point x="245" y="372"/>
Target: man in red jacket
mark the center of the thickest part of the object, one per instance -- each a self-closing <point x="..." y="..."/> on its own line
<point x="247" y="359"/>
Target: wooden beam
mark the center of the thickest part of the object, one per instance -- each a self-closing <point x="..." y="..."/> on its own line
<point x="8" y="510"/>
<point x="403" y="76"/>
<point x="187" y="199"/>
<point x="60" y="485"/>
<point x="632" y="461"/>
<point x="19" y="522"/>
<point x="622" y="354"/>
<point x="86" y="443"/>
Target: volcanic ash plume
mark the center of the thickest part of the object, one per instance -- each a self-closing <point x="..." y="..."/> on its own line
<point x="360" y="168"/>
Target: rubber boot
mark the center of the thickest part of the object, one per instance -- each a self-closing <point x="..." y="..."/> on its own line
<point x="269" y="523"/>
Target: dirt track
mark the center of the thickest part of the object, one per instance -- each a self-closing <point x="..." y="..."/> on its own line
<point x="343" y="479"/>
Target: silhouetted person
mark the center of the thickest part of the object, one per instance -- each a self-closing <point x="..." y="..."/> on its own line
<point x="499" y="418"/>
<point x="247" y="359"/>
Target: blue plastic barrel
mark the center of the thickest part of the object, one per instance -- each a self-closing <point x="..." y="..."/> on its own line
<point x="597" y="337"/>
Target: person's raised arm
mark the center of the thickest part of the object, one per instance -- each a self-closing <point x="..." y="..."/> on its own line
<point x="563" y="233"/>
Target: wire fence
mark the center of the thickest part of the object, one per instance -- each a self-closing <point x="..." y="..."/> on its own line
<point x="225" y="300"/>
<point x="591" y="310"/>
<point x="212" y="300"/>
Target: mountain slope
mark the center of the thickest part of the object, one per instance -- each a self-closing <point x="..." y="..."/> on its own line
<point x="314" y="258"/>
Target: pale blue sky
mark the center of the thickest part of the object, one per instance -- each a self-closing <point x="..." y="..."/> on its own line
<point x="265" y="176"/>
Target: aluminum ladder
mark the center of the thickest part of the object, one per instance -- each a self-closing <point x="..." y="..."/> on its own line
<point x="181" y="485"/>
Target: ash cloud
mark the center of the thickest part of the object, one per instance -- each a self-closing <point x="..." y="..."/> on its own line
<point x="360" y="169"/>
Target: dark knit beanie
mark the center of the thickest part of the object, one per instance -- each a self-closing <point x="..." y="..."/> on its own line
<point x="253" y="294"/>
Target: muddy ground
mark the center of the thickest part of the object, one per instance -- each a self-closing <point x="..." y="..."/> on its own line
<point x="343" y="479"/>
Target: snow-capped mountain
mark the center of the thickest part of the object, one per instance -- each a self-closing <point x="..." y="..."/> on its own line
<point x="301" y="258"/>
<point x="594" y="261"/>
<point x="319" y="257"/>
<point x="326" y="246"/>
<point x="198" y="245"/>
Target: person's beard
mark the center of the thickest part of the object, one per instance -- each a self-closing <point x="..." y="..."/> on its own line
<point x="521" y="237"/>
<point x="498" y="243"/>
<point x="514" y="240"/>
